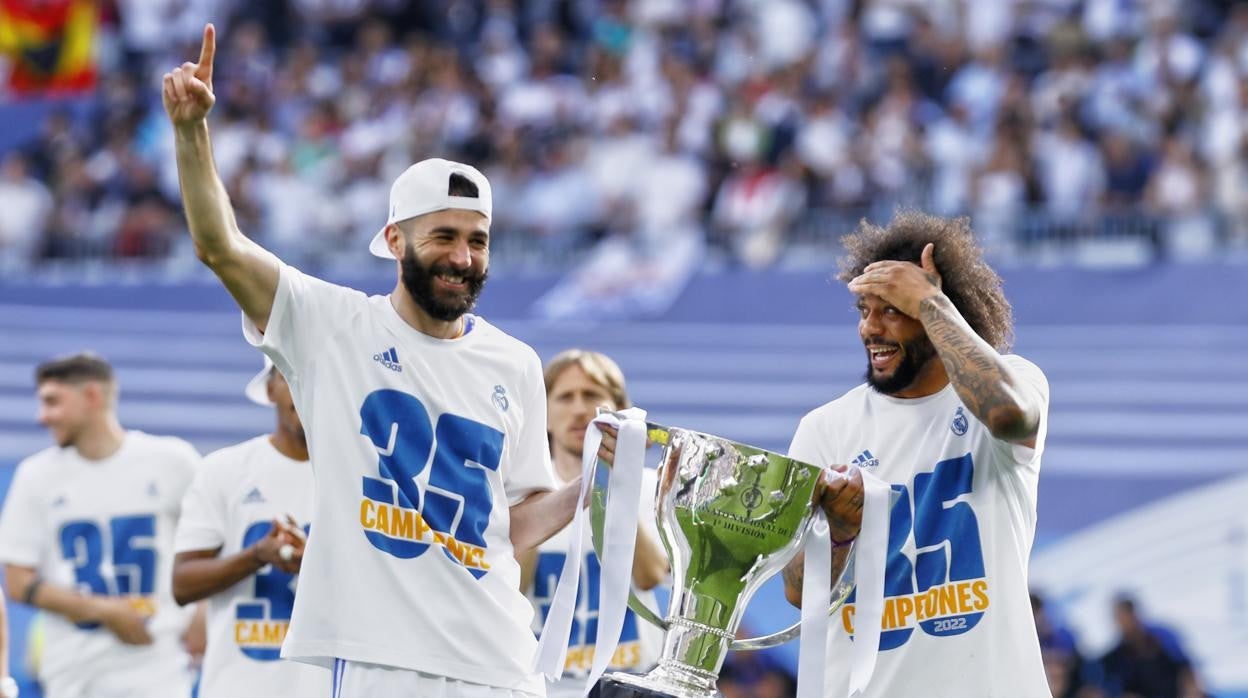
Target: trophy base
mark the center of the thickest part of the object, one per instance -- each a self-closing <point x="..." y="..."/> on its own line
<point x="633" y="686"/>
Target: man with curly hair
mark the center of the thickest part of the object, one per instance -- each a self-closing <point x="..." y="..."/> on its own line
<point x="957" y="427"/>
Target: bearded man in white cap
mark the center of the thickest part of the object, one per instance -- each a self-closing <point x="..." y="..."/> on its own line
<point x="426" y="429"/>
<point x="239" y="544"/>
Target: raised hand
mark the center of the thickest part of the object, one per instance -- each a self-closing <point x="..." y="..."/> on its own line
<point x="902" y="285"/>
<point x="187" y="89"/>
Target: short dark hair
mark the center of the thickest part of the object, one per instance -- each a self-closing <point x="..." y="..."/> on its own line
<point x="460" y="185"/>
<point x="1124" y="602"/>
<point x="78" y="368"/>
<point x="971" y="285"/>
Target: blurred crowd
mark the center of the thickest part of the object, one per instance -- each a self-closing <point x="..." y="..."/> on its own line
<point x="731" y="122"/>
<point x="1147" y="660"/>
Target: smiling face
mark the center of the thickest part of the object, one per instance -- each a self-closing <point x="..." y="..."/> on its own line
<point x="446" y="261"/>
<point x="898" y="350"/>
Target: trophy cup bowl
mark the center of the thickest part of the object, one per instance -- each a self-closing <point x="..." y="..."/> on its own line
<point x="729" y="516"/>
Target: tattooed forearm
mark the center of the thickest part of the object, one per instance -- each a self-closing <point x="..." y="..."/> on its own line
<point x="794" y="574"/>
<point x="847" y="505"/>
<point x="978" y="375"/>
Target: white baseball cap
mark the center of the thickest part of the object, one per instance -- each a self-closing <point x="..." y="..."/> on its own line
<point x="423" y="188"/>
<point x="258" y="387"/>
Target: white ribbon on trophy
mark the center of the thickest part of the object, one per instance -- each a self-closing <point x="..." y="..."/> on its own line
<point x="872" y="556"/>
<point x="812" y="649"/>
<point x="870" y="551"/>
<point x="619" y="540"/>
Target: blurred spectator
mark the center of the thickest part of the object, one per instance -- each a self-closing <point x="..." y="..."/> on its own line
<point x="955" y="150"/>
<point x="1177" y="193"/>
<point x="754" y="675"/>
<point x="999" y="191"/>
<point x="1128" y="170"/>
<point x="1059" y="652"/>
<point x="1071" y="172"/>
<point x="26" y="204"/>
<point x="1148" y="661"/>
<point x="754" y="208"/>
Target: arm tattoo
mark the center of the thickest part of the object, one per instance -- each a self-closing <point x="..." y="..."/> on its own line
<point x="794" y="573"/>
<point x="975" y="369"/>
<point x="849" y="515"/>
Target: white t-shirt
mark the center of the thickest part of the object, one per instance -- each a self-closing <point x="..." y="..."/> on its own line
<point x="419" y="446"/>
<point x="957" y="617"/>
<point x="231" y="505"/>
<point x="104" y="527"/>
<point x="640" y="641"/>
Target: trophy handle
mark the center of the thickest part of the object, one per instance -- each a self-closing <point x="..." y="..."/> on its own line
<point x="643" y="611"/>
<point x="840" y="591"/>
<point x="597" y="513"/>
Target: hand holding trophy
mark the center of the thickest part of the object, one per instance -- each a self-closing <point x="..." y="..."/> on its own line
<point x="729" y="516"/>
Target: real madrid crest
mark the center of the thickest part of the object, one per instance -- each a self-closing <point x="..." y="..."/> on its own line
<point x="959" y="425"/>
<point x="500" y="398"/>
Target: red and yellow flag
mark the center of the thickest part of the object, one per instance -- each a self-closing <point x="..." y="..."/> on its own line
<point x="50" y="43"/>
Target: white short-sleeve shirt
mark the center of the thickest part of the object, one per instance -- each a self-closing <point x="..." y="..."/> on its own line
<point x="419" y="446"/>
<point x="957" y="616"/>
<point x="237" y="494"/>
<point x="103" y="527"/>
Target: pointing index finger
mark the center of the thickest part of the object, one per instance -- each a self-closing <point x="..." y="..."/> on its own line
<point x="207" y="52"/>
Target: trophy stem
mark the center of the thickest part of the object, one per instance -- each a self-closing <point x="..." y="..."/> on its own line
<point x="693" y="653"/>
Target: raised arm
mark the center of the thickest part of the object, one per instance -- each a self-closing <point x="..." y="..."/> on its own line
<point x="1009" y="407"/>
<point x="248" y="271"/>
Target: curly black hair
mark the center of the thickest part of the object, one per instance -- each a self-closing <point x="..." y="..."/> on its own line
<point x="968" y="281"/>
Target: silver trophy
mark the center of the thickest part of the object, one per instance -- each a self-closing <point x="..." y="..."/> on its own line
<point x="730" y="516"/>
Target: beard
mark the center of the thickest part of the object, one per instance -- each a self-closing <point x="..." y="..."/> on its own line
<point x="418" y="280"/>
<point x="914" y="356"/>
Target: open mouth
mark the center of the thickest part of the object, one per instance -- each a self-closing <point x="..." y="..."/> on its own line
<point x="883" y="357"/>
<point x="454" y="282"/>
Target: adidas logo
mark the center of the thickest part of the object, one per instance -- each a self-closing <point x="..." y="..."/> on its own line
<point x="390" y="359"/>
<point x="254" y="497"/>
<point x="865" y="460"/>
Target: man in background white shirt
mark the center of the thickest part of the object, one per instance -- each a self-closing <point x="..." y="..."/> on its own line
<point x="86" y="534"/>
<point x="239" y="544"/>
